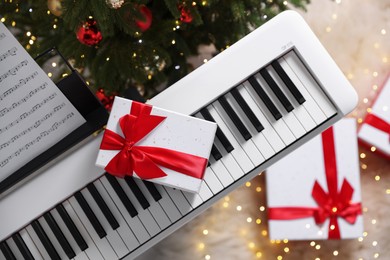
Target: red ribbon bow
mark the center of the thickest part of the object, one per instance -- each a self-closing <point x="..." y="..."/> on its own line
<point x="333" y="204"/>
<point x="145" y="160"/>
<point x="378" y="123"/>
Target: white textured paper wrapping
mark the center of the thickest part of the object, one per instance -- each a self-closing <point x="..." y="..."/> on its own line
<point x="381" y="108"/>
<point x="290" y="182"/>
<point x="177" y="132"/>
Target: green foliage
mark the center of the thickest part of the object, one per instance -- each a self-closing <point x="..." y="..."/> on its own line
<point x="128" y="56"/>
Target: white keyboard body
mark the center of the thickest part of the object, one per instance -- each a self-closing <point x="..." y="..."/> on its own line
<point x="287" y="39"/>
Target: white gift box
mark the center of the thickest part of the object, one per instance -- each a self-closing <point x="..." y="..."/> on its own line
<point x="291" y="181"/>
<point x="370" y="133"/>
<point x="178" y="133"/>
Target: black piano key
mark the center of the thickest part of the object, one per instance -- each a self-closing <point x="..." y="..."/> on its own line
<point x="221" y="136"/>
<point x="234" y="117"/>
<point x="22" y="246"/>
<point x="137" y="192"/>
<point x="216" y="153"/>
<point x="153" y="190"/>
<point x="277" y="91"/>
<point x="103" y="206"/>
<point x="286" y="79"/>
<point x="122" y="195"/>
<point x="267" y="101"/>
<point x="59" y="235"/>
<point x="6" y="251"/>
<point x="247" y="110"/>
<point x="90" y="215"/>
<point x="45" y="240"/>
<point x="72" y="227"/>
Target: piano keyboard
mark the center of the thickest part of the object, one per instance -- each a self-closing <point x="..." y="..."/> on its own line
<point x="264" y="109"/>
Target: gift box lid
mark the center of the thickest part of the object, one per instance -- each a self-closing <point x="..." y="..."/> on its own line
<point x="375" y="129"/>
<point x="290" y="184"/>
<point x="175" y="132"/>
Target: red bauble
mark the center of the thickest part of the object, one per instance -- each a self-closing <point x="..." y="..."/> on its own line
<point x="145" y="23"/>
<point x="107" y="101"/>
<point x="185" y="16"/>
<point x="88" y="33"/>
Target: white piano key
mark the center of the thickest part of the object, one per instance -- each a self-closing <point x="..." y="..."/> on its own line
<point x="238" y="153"/>
<point x="299" y="110"/>
<point x="279" y="125"/>
<point x="250" y="149"/>
<point x="102" y="244"/>
<point x="112" y="237"/>
<point x="79" y="254"/>
<point x="310" y="84"/>
<point x="52" y="238"/>
<point x="167" y="204"/>
<point x="92" y="251"/>
<point x="155" y="208"/>
<point x="204" y="191"/>
<point x="212" y="181"/>
<point x="1" y="255"/>
<point x="179" y="200"/>
<point x="258" y="139"/>
<point x="134" y="223"/>
<point x="193" y="198"/>
<point x="310" y="104"/>
<point x="37" y="242"/>
<point x="30" y="244"/>
<point x="291" y="122"/>
<point x="229" y="162"/>
<point x="123" y="230"/>
<point x="14" y="248"/>
<point x="221" y="172"/>
<point x="269" y="132"/>
<point x="227" y="159"/>
<point x="144" y="214"/>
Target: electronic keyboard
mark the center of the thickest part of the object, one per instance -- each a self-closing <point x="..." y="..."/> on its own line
<point x="269" y="93"/>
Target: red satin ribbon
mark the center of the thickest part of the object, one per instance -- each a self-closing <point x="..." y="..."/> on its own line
<point x="378" y="123"/>
<point x="333" y="204"/>
<point x="145" y="160"/>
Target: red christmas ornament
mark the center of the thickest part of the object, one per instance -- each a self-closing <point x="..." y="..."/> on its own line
<point x="185" y="16"/>
<point x="88" y="33"/>
<point x="104" y="99"/>
<point x="145" y="23"/>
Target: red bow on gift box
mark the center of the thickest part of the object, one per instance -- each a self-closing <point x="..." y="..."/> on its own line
<point x="145" y="160"/>
<point x="333" y="204"/>
<point x="378" y="123"/>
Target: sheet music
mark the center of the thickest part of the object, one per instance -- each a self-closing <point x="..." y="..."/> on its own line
<point x="34" y="114"/>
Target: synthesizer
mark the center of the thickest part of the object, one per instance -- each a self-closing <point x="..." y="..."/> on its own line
<point x="268" y="93"/>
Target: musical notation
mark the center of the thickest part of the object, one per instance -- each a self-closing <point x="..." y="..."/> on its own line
<point x="24" y="99"/>
<point x="22" y="82"/>
<point x="13" y="70"/>
<point x="37" y="139"/>
<point x="29" y="103"/>
<point x="33" y="126"/>
<point x="27" y="114"/>
<point x="10" y="52"/>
